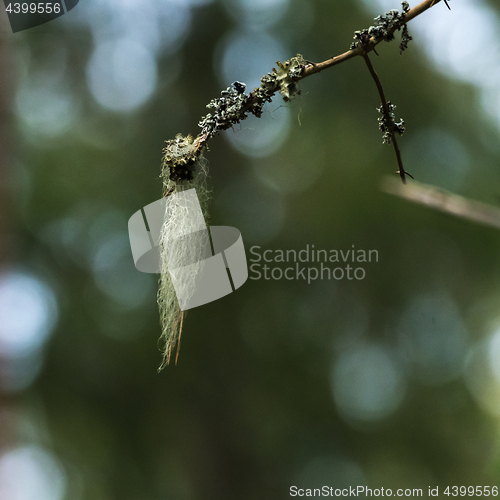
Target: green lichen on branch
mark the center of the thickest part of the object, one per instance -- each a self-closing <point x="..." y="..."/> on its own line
<point x="285" y="77"/>
<point x="179" y="159"/>
<point x="228" y="110"/>
<point x="383" y="29"/>
<point x="405" y="39"/>
<point x="180" y="154"/>
<point x="405" y="35"/>
<point x="387" y="122"/>
<point x="234" y="105"/>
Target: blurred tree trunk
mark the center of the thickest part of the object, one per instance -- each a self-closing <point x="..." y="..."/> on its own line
<point x="5" y="134"/>
<point x="6" y="140"/>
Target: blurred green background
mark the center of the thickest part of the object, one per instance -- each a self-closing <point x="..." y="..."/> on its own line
<point x="391" y="381"/>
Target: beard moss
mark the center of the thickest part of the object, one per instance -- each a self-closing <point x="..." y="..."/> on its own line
<point x="184" y="167"/>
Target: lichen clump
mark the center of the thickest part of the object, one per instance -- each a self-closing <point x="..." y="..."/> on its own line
<point x="285" y="77"/>
<point x="179" y="158"/>
<point x="228" y="109"/>
<point x="234" y="105"/>
<point x="387" y="123"/>
<point x="384" y="28"/>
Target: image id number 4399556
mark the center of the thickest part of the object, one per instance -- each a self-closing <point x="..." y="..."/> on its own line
<point x="478" y="491"/>
<point x="34" y="8"/>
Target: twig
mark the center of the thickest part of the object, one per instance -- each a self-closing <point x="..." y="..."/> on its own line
<point x="313" y="68"/>
<point x="179" y="339"/>
<point x="372" y="43"/>
<point x="444" y="201"/>
<point x="402" y="172"/>
<point x="446" y="3"/>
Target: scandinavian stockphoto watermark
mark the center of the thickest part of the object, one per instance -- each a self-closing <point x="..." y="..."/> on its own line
<point x="204" y="263"/>
<point x="310" y="264"/>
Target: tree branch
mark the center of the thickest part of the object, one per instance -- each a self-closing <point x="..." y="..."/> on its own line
<point x="183" y="162"/>
<point x="312" y="68"/>
<point x="257" y="98"/>
<point x="444" y="201"/>
<point x="387" y="113"/>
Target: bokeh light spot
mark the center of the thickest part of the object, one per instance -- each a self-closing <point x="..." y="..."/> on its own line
<point x="28" y="312"/>
<point x="122" y="74"/>
<point x="257" y="14"/>
<point x="116" y="275"/>
<point x="260" y="137"/>
<point x="31" y="473"/>
<point x="367" y="384"/>
<point x="246" y="56"/>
